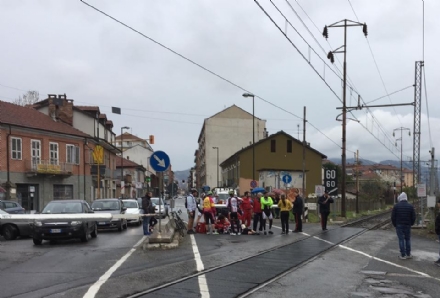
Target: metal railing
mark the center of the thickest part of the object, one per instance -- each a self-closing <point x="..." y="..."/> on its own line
<point x="50" y="166"/>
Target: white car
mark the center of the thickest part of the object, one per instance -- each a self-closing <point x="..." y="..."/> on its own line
<point x="163" y="208"/>
<point x="133" y="207"/>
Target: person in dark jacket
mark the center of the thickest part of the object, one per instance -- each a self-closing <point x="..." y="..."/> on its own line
<point x="298" y="207"/>
<point x="324" y="208"/>
<point x="146" y="203"/>
<point x="437" y="231"/>
<point x="403" y="217"/>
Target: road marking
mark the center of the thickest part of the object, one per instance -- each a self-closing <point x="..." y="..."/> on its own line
<point x="93" y="290"/>
<point x="203" y="284"/>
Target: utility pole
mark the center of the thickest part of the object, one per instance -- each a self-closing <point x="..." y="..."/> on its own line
<point x="417" y="121"/>
<point x="357" y="181"/>
<point x="401" y="153"/>
<point x="432" y="183"/>
<point x="344" y="23"/>
<point x="304" y="155"/>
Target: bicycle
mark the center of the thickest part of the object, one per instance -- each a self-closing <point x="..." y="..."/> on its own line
<point x="180" y="225"/>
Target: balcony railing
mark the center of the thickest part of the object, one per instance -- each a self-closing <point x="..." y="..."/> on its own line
<point x="49" y="167"/>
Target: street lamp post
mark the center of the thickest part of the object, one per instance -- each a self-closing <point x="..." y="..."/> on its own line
<point x="401" y="152"/>
<point x="344" y="24"/>
<point x="122" y="156"/>
<point x="218" y="164"/>
<point x="253" y="132"/>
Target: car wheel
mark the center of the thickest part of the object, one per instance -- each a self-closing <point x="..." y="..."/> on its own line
<point x="120" y="227"/>
<point x="126" y="225"/>
<point x="10" y="232"/>
<point x="85" y="238"/>
<point x="94" y="234"/>
<point x="37" y="241"/>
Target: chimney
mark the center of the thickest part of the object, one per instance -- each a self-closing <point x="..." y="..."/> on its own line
<point x="61" y="108"/>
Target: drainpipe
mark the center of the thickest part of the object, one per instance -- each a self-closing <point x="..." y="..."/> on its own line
<point x="8" y="176"/>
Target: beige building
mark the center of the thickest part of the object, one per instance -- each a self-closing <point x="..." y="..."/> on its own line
<point x="228" y="131"/>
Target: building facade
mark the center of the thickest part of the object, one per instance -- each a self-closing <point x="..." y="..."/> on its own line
<point x="42" y="158"/>
<point x="89" y="120"/>
<point x="275" y="156"/>
<point x="134" y="178"/>
<point x="221" y="136"/>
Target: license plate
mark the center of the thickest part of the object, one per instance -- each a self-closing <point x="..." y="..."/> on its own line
<point x="102" y="223"/>
<point x="55" y="230"/>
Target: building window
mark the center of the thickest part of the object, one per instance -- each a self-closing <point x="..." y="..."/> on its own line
<point x="53" y="153"/>
<point x="289" y="146"/>
<point x="16" y="148"/>
<point x="62" y="192"/>
<point x="273" y="145"/>
<point x="35" y="153"/>
<point x="72" y="154"/>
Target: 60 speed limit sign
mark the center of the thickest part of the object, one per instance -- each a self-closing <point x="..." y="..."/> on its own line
<point x="331" y="181"/>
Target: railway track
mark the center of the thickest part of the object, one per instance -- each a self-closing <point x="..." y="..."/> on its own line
<point x="373" y="222"/>
<point x="233" y="279"/>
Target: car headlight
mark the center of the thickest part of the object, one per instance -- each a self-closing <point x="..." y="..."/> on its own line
<point x="75" y="223"/>
<point x="38" y="223"/>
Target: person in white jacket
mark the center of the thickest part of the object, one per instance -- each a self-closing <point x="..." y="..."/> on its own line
<point x="191" y="207"/>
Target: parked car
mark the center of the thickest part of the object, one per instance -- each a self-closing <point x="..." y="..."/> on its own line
<point x="12" y="230"/>
<point x="64" y="229"/>
<point x="113" y="206"/>
<point x="133" y="207"/>
<point x="163" y="208"/>
<point x="11" y="207"/>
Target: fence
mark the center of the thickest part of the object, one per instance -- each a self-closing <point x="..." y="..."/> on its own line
<point x="350" y="205"/>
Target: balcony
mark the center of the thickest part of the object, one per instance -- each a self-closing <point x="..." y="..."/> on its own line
<point x="48" y="167"/>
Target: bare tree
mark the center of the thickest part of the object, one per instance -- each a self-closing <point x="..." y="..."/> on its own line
<point x="28" y="98"/>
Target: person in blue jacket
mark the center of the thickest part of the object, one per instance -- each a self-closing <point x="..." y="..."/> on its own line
<point x="403" y="217"/>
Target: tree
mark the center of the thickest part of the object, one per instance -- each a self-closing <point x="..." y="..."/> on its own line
<point x="29" y="98"/>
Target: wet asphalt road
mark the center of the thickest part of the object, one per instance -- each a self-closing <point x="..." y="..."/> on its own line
<point x="69" y="269"/>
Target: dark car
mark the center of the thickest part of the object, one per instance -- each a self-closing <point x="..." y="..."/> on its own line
<point x="113" y="206"/>
<point x="11" y="207"/>
<point x="64" y="229"/>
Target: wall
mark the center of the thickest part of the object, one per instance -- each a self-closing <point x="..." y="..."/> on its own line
<point x="230" y="135"/>
<point x="141" y="156"/>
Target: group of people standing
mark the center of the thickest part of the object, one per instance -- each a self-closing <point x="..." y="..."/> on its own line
<point x="261" y="209"/>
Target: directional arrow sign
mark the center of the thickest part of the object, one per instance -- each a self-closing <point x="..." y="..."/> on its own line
<point x="159" y="161"/>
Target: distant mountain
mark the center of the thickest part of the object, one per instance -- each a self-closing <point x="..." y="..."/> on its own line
<point x="352" y="160"/>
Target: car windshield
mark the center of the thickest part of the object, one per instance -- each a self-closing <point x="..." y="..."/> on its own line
<point x="131" y="204"/>
<point x="223" y="197"/>
<point x="62" y="207"/>
<point x="155" y="201"/>
<point x="106" y="205"/>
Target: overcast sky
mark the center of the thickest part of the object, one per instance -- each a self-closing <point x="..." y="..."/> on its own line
<point x="62" y="47"/>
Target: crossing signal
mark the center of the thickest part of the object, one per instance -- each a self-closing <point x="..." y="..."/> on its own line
<point x="147" y="179"/>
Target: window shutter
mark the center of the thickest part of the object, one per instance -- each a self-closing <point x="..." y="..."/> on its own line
<point x="77" y="155"/>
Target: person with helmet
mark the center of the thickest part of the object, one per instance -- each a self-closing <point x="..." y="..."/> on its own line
<point x="232" y="204"/>
<point x="246" y="207"/>
<point x="191" y="206"/>
<point x="199" y="209"/>
<point x="258" y="213"/>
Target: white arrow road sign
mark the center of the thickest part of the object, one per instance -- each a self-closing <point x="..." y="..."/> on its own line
<point x="161" y="162"/>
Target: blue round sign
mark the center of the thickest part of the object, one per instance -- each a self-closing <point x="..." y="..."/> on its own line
<point x="253" y="183"/>
<point x="159" y="161"/>
<point x="287" y="179"/>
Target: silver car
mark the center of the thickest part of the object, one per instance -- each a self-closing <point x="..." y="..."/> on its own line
<point x="133" y="207"/>
<point x="12" y="230"/>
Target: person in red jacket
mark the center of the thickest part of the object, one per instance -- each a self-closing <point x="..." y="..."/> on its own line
<point x="246" y="207"/>
<point x="258" y="213"/>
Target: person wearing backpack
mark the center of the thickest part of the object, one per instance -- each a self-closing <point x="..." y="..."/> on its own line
<point x="191" y="207"/>
<point x="232" y="204"/>
<point x="148" y="207"/>
<point x="258" y="213"/>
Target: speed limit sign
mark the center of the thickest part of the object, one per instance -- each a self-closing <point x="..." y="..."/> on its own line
<point x="331" y="181"/>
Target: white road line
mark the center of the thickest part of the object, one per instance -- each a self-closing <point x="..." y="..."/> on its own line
<point x="274" y="226"/>
<point x="93" y="290"/>
<point x="203" y="284"/>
